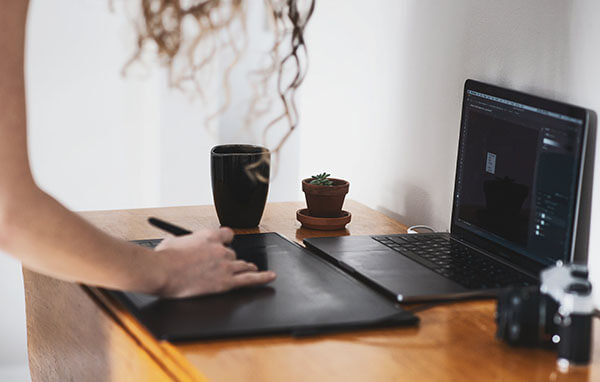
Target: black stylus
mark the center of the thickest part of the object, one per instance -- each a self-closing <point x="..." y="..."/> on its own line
<point x="168" y="227"/>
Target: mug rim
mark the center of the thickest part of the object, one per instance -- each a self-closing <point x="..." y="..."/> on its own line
<point x="260" y="150"/>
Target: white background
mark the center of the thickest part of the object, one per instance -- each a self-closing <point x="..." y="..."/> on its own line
<point x="380" y="107"/>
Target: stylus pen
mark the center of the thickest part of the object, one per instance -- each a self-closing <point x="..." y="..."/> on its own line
<point x="168" y="227"/>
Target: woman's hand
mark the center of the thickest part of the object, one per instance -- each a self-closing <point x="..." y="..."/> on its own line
<point x="200" y="263"/>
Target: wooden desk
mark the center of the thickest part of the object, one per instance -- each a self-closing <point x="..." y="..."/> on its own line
<point x="78" y="333"/>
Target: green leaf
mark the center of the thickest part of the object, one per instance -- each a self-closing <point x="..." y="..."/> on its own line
<point x="321" y="179"/>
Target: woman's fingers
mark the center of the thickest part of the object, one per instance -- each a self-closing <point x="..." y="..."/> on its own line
<point x="222" y="235"/>
<point x="252" y="278"/>
<point x="229" y="254"/>
<point x="240" y="266"/>
<point x="226" y="235"/>
<point x="202" y="263"/>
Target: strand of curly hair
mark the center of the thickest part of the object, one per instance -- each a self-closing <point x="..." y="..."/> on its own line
<point x="163" y="25"/>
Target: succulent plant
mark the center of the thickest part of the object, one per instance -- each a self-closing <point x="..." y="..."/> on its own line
<point x="321" y="179"/>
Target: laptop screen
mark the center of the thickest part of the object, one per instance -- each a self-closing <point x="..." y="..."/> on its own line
<point x="517" y="180"/>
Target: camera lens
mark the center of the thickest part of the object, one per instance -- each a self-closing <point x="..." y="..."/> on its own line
<point x="521" y="316"/>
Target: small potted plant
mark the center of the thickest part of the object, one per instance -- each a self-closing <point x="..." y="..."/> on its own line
<point x="325" y="195"/>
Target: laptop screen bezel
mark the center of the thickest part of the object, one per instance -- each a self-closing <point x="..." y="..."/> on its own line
<point x="528" y="264"/>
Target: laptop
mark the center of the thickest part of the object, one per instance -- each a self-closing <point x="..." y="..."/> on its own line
<point x="514" y="210"/>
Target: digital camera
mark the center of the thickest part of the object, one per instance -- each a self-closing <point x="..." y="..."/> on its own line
<point x="557" y="314"/>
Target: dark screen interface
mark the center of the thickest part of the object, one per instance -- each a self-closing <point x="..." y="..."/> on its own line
<point x="517" y="176"/>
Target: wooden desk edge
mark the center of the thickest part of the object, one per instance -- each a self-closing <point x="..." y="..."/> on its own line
<point x="163" y="353"/>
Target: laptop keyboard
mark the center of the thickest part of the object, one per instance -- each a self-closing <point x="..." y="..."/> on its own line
<point x="455" y="261"/>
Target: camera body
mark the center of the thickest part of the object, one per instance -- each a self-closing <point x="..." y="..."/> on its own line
<point x="558" y="314"/>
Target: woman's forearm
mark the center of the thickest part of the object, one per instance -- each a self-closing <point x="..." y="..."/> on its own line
<point x="52" y="240"/>
<point x="34" y="227"/>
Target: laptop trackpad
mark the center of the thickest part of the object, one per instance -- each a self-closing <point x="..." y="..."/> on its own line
<point x="398" y="274"/>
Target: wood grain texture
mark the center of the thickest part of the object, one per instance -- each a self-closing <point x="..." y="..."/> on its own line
<point x="454" y="342"/>
<point x="71" y="338"/>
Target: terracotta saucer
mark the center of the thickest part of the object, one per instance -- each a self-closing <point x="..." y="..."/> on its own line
<point x="323" y="224"/>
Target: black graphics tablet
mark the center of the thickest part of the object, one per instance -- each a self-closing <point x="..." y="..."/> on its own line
<point x="310" y="296"/>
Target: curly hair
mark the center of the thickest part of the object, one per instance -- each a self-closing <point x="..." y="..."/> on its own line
<point x="178" y="28"/>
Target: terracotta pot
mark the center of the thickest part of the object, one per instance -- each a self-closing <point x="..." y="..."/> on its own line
<point x="325" y="201"/>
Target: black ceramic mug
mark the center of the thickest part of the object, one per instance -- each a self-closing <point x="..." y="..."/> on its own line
<point x="240" y="183"/>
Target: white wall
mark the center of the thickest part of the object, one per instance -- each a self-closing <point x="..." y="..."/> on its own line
<point x="13" y="356"/>
<point x="89" y="129"/>
<point x="381" y="104"/>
